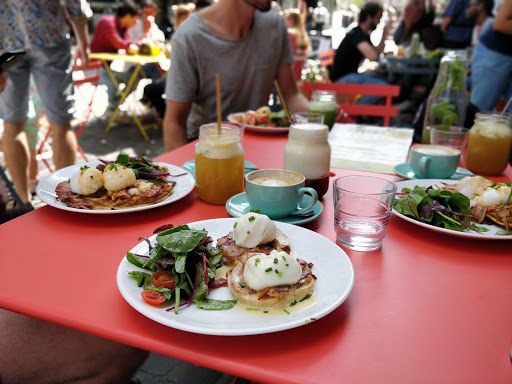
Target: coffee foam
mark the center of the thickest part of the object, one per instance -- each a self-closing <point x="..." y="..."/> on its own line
<point x="436" y="150"/>
<point x="273" y="181"/>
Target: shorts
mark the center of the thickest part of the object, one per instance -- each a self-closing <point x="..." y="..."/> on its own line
<point x="51" y="68"/>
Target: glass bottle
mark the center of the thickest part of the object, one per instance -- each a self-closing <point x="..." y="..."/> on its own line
<point x="219" y="162"/>
<point x="489" y="144"/>
<point x="448" y="99"/>
<point x="308" y="152"/>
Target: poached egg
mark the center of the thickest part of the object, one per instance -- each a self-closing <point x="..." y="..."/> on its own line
<point x="86" y="181"/>
<point x="253" y="229"/>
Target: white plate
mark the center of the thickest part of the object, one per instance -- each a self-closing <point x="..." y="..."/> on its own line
<point x="46" y="188"/>
<point x="490" y="235"/>
<point x="256" y="128"/>
<point x="332" y="267"/>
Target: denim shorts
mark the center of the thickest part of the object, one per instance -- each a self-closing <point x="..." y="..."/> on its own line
<point x="51" y="68"/>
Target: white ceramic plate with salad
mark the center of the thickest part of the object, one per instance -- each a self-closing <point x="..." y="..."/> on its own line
<point x="46" y="188"/>
<point x="492" y="234"/>
<point x="257" y="128"/>
<point x="332" y="267"/>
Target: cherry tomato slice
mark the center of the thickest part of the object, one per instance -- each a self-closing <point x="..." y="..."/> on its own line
<point x="153" y="297"/>
<point x="163" y="279"/>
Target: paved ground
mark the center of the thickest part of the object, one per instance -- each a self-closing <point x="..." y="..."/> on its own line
<point x="125" y="137"/>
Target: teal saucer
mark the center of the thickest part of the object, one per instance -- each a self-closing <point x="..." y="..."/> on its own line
<point x="190" y="167"/>
<point x="405" y="170"/>
<point x="238" y="206"/>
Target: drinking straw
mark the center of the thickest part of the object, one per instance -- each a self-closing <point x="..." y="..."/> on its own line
<point x="219" y="114"/>
<point x="276" y="84"/>
<point x="506" y="106"/>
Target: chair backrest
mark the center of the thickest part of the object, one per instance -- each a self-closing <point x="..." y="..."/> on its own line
<point x="388" y="91"/>
<point x="89" y="74"/>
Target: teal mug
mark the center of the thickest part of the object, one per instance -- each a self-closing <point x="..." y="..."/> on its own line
<point x="278" y="193"/>
<point x="434" y="161"/>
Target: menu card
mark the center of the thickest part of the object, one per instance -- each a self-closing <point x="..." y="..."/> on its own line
<point x="369" y="148"/>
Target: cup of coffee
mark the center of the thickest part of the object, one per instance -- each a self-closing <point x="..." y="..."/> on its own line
<point x="278" y="193"/>
<point x="430" y="161"/>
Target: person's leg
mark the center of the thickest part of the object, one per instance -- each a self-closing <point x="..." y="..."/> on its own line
<point x="34" y="351"/>
<point x="15" y="147"/>
<point x="13" y="111"/>
<point x="364" y="78"/>
<point x="487" y="88"/>
<point x="63" y="145"/>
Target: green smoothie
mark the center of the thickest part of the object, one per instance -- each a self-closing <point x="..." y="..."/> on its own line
<point x="326" y="108"/>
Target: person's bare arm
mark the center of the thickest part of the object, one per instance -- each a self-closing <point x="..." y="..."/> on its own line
<point x="295" y="101"/>
<point x="446" y="22"/>
<point x="368" y="51"/>
<point x="81" y="56"/>
<point x="175" y="124"/>
<point x="503" y="20"/>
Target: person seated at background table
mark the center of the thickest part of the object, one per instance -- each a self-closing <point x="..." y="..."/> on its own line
<point x="154" y="92"/>
<point x="111" y="34"/>
<point x="243" y="41"/>
<point x="480" y="12"/>
<point x="492" y="62"/>
<point x="355" y="47"/>
<point x="456" y="28"/>
<point x="299" y="39"/>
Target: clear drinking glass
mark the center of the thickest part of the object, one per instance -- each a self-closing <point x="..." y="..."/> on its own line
<point x="362" y="207"/>
<point x="455" y="137"/>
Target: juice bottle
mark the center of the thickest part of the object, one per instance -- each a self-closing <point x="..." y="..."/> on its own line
<point x="489" y="144"/>
<point x="219" y="158"/>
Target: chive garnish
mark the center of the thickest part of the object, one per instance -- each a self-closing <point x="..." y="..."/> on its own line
<point x="278" y="248"/>
<point x="284" y="258"/>
<point x="252" y="309"/>
<point x="243" y="285"/>
<point x="268" y="269"/>
<point x="305" y="297"/>
<point x="293" y="303"/>
<point x="248" y="232"/>
<point x="286" y="311"/>
<point x="275" y="260"/>
<point x="265" y="311"/>
<point x="234" y="226"/>
<point x="252" y="218"/>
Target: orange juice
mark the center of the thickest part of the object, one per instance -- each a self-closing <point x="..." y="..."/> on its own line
<point x="489" y="143"/>
<point x="219" y="164"/>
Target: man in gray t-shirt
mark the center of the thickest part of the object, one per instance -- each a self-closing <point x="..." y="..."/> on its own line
<point x="248" y="45"/>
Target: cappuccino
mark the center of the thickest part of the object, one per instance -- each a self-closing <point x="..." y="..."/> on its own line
<point x="436" y="150"/>
<point x="274" y="181"/>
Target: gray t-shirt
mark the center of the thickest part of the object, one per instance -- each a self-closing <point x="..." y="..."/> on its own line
<point x="247" y="67"/>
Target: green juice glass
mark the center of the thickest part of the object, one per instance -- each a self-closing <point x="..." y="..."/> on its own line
<point x="324" y="102"/>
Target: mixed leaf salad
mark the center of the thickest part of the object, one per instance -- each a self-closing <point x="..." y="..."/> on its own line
<point x="143" y="167"/>
<point x="437" y="207"/>
<point x="178" y="269"/>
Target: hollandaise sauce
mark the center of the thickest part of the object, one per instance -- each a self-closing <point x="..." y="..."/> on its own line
<point x="293" y="307"/>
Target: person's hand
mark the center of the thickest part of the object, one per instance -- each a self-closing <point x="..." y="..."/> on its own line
<point x="81" y="57"/>
<point x="3" y="81"/>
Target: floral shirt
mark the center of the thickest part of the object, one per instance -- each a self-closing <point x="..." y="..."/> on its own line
<point x="35" y="23"/>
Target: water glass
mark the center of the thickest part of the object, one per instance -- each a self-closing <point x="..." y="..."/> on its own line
<point x="455" y="137"/>
<point x="308" y="117"/>
<point x="362" y="208"/>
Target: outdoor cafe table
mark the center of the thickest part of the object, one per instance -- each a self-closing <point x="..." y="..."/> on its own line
<point x="426" y="307"/>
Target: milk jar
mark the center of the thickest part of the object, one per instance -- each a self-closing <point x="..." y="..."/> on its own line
<point x="489" y="143"/>
<point x="308" y="152"/>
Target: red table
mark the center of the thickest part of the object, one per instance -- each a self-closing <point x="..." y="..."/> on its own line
<point x="427" y="307"/>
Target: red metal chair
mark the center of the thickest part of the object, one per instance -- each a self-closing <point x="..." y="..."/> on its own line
<point x="87" y="75"/>
<point x="386" y="111"/>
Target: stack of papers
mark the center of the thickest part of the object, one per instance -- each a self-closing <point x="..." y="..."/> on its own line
<point x="369" y="148"/>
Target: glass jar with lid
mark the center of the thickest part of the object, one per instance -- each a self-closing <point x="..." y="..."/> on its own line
<point x="308" y="152"/>
<point x="219" y="163"/>
<point x="489" y="144"/>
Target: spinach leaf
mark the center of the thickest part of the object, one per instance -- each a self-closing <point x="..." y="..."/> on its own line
<point x="137" y="261"/>
<point x="211" y="304"/>
<point x="142" y="277"/>
<point x="182" y="241"/>
<point x="166" y="291"/>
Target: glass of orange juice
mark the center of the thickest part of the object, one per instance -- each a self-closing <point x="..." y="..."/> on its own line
<point x="489" y="144"/>
<point x="219" y="158"/>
